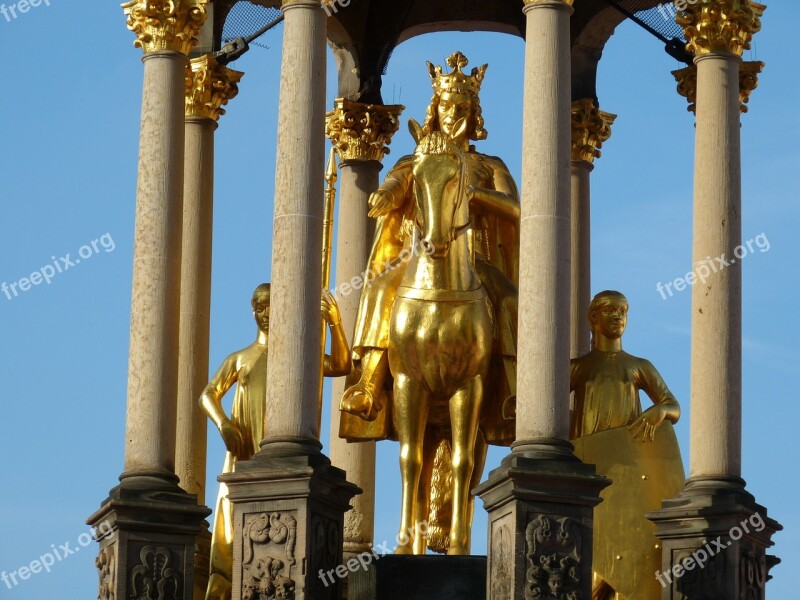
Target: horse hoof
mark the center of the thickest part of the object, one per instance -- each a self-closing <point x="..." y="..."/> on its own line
<point x="404" y="550"/>
<point x="457" y="551"/>
<point x="358" y="401"/>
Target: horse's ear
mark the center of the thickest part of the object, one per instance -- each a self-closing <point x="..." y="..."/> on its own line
<point x="415" y="129"/>
<point x="460" y="128"/>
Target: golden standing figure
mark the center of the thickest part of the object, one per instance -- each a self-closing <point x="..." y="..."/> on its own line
<point x="637" y="450"/>
<point x="438" y="320"/>
<point x="246" y="427"/>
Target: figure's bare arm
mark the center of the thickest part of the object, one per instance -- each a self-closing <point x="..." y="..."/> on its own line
<point x="211" y="402"/>
<point x="503" y="200"/>
<point x="394" y="190"/>
<point x="665" y="405"/>
<point x="338" y="363"/>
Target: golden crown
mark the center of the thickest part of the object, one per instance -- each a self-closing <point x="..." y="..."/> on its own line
<point x="457" y="81"/>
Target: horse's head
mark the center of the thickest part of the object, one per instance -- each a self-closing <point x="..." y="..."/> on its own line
<point x="439" y="187"/>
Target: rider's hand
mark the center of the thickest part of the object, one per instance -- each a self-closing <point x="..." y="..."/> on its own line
<point x="330" y="310"/>
<point x="232" y="437"/>
<point x="380" y="203"/>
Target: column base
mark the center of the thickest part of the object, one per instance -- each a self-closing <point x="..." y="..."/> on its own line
<point x="540" y="503"/>
<point x="714" y="538"/>
<point x="288" y="513"/>
<point x="148" y="528"/>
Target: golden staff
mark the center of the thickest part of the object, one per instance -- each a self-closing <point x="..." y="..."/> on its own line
<point x="327" y="250"/>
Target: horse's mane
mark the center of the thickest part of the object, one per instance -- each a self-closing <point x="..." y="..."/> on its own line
<point x="437" y="143"/>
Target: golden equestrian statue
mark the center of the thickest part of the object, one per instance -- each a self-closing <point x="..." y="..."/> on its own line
<point x="637" y="450"/>
<point x="434" y="350"/>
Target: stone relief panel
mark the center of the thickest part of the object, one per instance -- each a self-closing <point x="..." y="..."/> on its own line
<point x="106" y="567"/>
<point x="553" y="555"/>
<point x="158" y="576"/>
<point x="501" y="570"/>
<point x="268" y="556"/>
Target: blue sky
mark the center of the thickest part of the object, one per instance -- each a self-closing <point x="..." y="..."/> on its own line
<point x="68" y="151"/>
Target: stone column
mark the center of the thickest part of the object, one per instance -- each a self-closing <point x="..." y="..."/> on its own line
<point x="714" y="500"/>
<point x="591" y="127"/>
<point x="154" y="521"/>
<point x="361" y="134"/>
<point x="289" y="484"/>
<point x="209" y="86"/>
<point x="541" y="488"/>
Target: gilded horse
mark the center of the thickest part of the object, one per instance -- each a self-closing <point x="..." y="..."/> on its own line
<point x="440" y="344"/>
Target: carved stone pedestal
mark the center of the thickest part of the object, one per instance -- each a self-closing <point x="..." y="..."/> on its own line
<point x="715" y="538"/>
<point x="540" y="507"/>
<point x="148" y="551"/>
<point x="288" y="513"/>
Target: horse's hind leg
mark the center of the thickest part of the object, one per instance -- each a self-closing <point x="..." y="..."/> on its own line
<point x="410" y="415"/>
<point x="481" y="448"/>
<point x="465" y="407"/>
<point x="422" y="516"/>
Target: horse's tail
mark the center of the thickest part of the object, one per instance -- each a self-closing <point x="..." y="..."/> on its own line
<point x="441" y="507"/>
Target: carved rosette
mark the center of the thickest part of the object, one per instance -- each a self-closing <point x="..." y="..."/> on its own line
<point x="748" y="81"/>
<point x="209" y="87"/>
<point x="720" y="25"/>
<point x="590" y="128"/>
<point x="268" y="556"/>
<point x="362" y="131"/>
<point x="165" y="25"/>
<point x="553" y="554"/>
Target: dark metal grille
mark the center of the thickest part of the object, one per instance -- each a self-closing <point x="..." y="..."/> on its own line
<point x="245" y="19"/>
<point x="660" y="18"/>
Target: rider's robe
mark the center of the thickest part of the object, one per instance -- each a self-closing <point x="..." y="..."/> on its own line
<point x="494" y="244"/>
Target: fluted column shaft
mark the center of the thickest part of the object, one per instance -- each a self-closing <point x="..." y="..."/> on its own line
<point x="716" y="380"/>
<point x="581" y="269"/>
<point x="208" y="87"/>
<point x="195" y="305"/>
<point x="152" y="373"/>
<point x="294" y="355"/>
<point x="544" y="286"/>
<point x="358" y="179"/>
<point x="361" y="134"/>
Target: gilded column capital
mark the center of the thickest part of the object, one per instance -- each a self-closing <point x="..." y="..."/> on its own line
<point x="720" y="25"/>
<point x="748" y="81"/>
<point x="362" y="131"/>
<point x="687" y="85"/>
<point x="209" y="87"/>
<point x="165" y="25"/>
<point x="590" y="128"/>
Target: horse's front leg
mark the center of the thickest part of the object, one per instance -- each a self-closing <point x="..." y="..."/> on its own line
<point x="410" y="415"/>
<point x="465" y="408"/>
